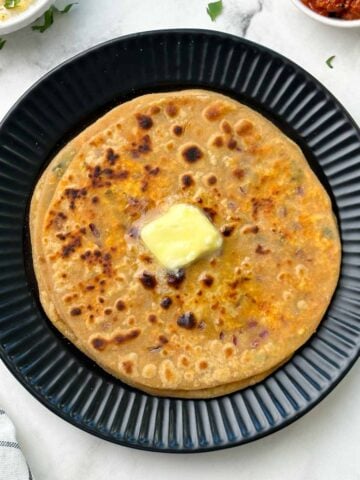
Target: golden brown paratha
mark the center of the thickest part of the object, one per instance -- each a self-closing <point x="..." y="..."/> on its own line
<point x="228" y="319"/>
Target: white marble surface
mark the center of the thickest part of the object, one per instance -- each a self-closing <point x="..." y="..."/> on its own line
<point x="322" y="445"/>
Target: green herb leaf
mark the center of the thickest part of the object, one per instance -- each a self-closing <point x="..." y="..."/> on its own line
<point x="329" y="61"/>
<point x="2" y="43"/>
<point x="11" y="3"/>
<point x="49" y="17"/>
<point x="48" y="21"/>
<point x="66" y="9"/>
<point x="214" y="9"/>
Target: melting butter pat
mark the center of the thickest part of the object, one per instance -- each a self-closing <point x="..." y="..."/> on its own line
<point x="180" y="236"/>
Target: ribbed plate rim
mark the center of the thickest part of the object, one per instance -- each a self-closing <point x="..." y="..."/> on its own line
<point x="342" y="372"/>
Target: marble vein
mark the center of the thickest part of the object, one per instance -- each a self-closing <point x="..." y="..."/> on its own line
<point x="241" y="16"/>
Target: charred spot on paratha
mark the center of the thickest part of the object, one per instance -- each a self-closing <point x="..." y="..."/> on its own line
<point x="120" y="305"/>
<point x="238" y="173"/>
<point x="211" y="179"/>
<point x="261" y="204"/>
<point x="226" y="127"/>
<point x="76" y="311"/>
<point x="128" y="366"/>
<point x="178" y="130"/>
<point x="166" y="303"/>
<point x="74" y="194"/>
<point x="262" y="250"/>
<point x="203" y="364"/>
<point x="227" y="230"/>
<point x="232" y="143"/>
<point x="171" y="110"/>
<point x="210" y="212"/>
<point x="144" y="121"/>
<point x="94" y="230"/>
<point x="187" y="320"/>
<point x="142" y="147"/>
<point x="125" y="337"/>
<point x="228" y="350"/>
<point x="218" y="141"/>
<point x="152" y="318"/>
<point x="152" y="170"/>
<point x="243" y="127"/>
<point x="96" y="257"/>
<point x="215" y="110"/>
<point x="191" y="153"/>
<point x="61" y="236"/>
<point x="175" y="278"/>
<point x="144" y="257"/>
<point x="136" y="206"/>
<point x="249" y="229"/>
<point x="206" y="279"/>
<point x="57" y="220"/>
<point x="101" y="177"/>
<point x="106" y="264"/>
<point x="71" y="247"/>
<point x="98" y="343"/>
<point x="111" y="156"/>
<point x="148" y="280"/>
<point x="154" y="110"/>
<point x="144" y="185"/>
<point x="186" y="180"/>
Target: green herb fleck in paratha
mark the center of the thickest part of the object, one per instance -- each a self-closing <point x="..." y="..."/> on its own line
<point x="329" y="61"/>
<point x="11" y="3"/>
<point x="327" y="232"/>
<point x="49" y="17"/>
<point x="214" y="9"/>
<point x="2" y="43"/>
<point x="297" y="176"/>
<point x="109" y="193"/>
<point x="59" y="169"/>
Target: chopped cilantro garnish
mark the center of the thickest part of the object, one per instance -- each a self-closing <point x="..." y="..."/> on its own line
<point x="329" y="61"/>
<point x="49" y="17"/>
<point x="48" y="21"/>
<point x="65" y="9"/>
<point x="11" y="3"/>
<point x="214" y="9"/>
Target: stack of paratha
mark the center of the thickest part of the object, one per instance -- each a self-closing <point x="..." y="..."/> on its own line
<point x="229" y="318"/>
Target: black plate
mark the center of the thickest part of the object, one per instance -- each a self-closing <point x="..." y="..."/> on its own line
<point x="60" y="106"/>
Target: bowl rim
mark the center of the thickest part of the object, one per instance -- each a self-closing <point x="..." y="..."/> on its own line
<point x="34" y="11"/>
<point x="334" y="22"/>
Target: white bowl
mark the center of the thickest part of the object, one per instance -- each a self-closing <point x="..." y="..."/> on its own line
<point x="22" y="19"/>
<point x="334" y="22"/>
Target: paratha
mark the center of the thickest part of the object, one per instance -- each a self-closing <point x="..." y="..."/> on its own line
<point x="229" y="318"/>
